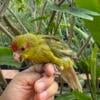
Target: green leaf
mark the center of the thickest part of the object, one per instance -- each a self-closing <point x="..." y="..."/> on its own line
<point x="75" y="95"/>
<point x="65" y="97"/>
<point x="6" y="57"/>
<point x="98" y="72"/>
<point x="93" y="70"/>
<point x="81" y="96"/>
<point x="93" y="26"/>
<point x="40" y="18"/>
<point x="78" y="12"/>
<point x="89" y="4"/>
<point x="89" y="12"/>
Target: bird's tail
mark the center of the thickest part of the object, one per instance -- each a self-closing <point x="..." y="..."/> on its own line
<point x="69" y="75"/>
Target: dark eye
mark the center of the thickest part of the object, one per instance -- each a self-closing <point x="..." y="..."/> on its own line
<point x="22" y="49"/>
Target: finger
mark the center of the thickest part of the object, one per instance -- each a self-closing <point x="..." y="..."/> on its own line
<point x="43" y="83"/>
<point x="27" y="78"/>
<point x="51" y="91"/>
<point x="49" y="69"/>
<point x="35" y="68"/>
<point x="40" y="68"/>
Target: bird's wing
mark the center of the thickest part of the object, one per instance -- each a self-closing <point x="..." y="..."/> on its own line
<point x="59" y="47"/>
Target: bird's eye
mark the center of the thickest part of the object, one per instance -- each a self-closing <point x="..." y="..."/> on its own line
<point x="22" y="49"/>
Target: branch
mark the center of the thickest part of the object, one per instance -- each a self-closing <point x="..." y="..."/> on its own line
<point x="3" y="6"/>
<point x="19" y="21"/>
<point x="32" y="7"/>
<point x="3" y="29"/>
<point x="71" y="29"/>
<point x="51" y="19"/>
<point x="53" y="16"/>
<point x="83" y="47"/>
<point x="11" y="25"/>
<point x="71" y="22"/>
<point x="78" y="30"/>
<point x="58" y="23"/>
<point x="33" y="11"/>
<point x="42" y="13"/>
<point x="61" y="2"/>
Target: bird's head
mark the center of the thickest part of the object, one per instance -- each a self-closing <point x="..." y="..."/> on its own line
<point x="19" y="46"/>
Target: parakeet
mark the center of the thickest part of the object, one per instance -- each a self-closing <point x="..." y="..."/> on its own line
<point x="42" y="49"/>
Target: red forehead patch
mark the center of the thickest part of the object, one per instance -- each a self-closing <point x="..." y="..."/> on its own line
<point x="14" y="46"/>
<point x="27" y="45"/>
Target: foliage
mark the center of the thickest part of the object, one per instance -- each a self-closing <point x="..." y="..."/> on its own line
<point x="6" y="57"/>
<point x="92" y="25"/>
<point x="74" y="96"/>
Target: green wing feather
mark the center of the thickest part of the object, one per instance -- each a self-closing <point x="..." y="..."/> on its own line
<point x="59" y="47"/>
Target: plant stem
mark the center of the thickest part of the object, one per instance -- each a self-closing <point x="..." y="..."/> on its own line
<point x="93" y="63"/>
<point x="85" y="35"/>
<point x="11" y="25"/>
<point x="76" y="29"/>
<point x="83" y="47"/>
<point x="19" y="21"/>
<point x="66" y="24"/>
<point x="89" y="83"/>
<point x="3" y="6"/>
<point x="34" y="13"/>
<point x="71" y="4"/>
<point x="42" y="13"/>
<point x="58" y="22"/>
<point x="70" y="30"/>
<point x="3" y="29"/>
<point x="51" y="19"/>
<point x="53" y="16"/>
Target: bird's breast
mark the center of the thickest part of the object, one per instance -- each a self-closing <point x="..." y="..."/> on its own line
<point x="38" y="55"/>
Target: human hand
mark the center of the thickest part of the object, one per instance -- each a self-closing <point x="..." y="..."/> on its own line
<point x="35" y="83"/>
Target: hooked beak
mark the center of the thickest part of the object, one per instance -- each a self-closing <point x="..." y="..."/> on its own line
<point x="17" y="56"/>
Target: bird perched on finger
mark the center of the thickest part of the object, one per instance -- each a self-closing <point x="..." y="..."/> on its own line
<point x="42" y="49"/>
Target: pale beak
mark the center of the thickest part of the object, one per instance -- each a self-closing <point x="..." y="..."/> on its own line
<point x="16" y="56"/>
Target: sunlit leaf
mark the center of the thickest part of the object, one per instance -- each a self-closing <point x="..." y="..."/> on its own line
<point x="93" y="26"/>
<point x="40" y="18"/>
<point x="6" y="57"/>
<point x="79" y="12"/>
<point x="75" y="95"/>
<point x="81" y="96"/>
<point x="93" y="70"/>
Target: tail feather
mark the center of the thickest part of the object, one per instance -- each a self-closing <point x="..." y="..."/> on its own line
<point x="70" y="76"/>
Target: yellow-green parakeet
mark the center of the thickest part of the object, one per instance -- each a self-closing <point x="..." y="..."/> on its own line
<point x="43" y="49"/>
